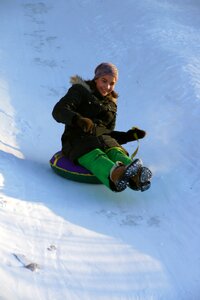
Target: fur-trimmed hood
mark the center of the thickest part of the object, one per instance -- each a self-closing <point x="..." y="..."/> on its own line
<point x="91" y="86"/>
<point x="79" y="80"/>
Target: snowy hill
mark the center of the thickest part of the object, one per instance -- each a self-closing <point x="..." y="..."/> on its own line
<point x="65" y="240"/>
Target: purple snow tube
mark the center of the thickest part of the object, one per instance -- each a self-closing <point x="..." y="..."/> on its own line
<point x="67" y="169"/>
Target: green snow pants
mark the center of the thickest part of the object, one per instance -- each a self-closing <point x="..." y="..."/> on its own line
<point x="101" y="162"/>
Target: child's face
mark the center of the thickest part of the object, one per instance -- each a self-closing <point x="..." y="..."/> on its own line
<point x="105" y="84"/>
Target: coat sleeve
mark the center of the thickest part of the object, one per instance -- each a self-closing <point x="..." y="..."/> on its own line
<point x="65" y="110"/>
<point x="119" y="136"/>
<point x="113" y="114"/>
<point x="112" y="124"/>
<point x="131" y="135"/>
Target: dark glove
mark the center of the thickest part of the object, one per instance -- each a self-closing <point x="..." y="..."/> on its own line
<point x="134" y="134"/>
<point x="131" y="135"/>
<point x="85" y="123"/>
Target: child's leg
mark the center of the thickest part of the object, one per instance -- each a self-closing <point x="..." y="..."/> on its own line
<point x="99" y="164"/>
<point x="117" y="154"/>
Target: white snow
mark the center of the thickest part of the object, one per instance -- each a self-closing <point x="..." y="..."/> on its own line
<point x="84" y="241"/>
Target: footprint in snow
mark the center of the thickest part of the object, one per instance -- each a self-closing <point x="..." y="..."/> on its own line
<point x="154" y="222"/>
<point x="26" y="263"/>
<point x="52" y="248"/>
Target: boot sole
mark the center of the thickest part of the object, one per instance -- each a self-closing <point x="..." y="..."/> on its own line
<point x="144" y="180"/>
<point x="145" y="175"/>
<point x="145" y="186"/>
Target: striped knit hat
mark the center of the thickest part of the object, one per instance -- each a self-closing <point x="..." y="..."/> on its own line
<point x="106" y="69"/>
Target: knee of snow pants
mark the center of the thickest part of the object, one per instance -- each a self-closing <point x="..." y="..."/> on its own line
<point x="117" y="154"/>
<point x="99" y="164"/>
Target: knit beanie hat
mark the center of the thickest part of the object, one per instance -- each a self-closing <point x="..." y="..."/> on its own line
<point x="106" y="69"/>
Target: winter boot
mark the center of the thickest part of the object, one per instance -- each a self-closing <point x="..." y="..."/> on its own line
<point x="120" y="174"/>
<point x="141" y="181"/>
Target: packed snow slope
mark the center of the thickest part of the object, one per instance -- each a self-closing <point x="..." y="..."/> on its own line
<point x="64" y="240"/>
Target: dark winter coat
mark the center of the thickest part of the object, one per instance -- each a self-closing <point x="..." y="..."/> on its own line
<point x="83" y="99"/>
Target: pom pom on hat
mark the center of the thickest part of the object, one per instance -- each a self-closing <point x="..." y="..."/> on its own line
<point x="106" y="69"/>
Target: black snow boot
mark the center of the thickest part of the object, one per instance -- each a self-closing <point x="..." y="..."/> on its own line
<point x="141" y="181"/>
<point x="121" y="174"/>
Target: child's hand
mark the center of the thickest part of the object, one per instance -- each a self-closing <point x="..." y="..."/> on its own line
<point x="85" y="123"/>
<point x="135" y="133"/>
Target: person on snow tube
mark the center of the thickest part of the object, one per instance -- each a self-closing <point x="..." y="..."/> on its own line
<point x="88" y="111"/>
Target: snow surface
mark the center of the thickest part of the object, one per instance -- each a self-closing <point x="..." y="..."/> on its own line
<point x="64" y="240"/>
